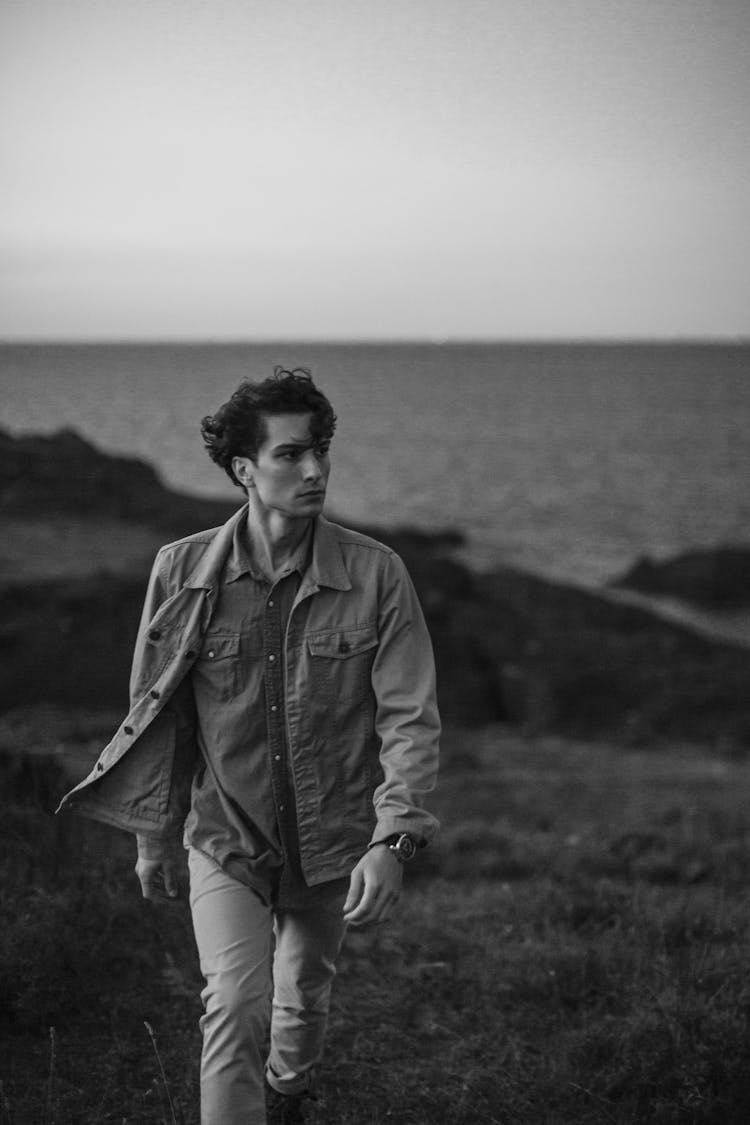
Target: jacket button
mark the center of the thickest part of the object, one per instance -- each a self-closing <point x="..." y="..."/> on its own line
<point x="155" y="694"/>
<point x="154" y="635"/>
<point x="128" y="730"/>
<point x="345" y="647"/>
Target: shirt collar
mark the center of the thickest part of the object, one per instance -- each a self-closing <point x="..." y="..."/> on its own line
<point x="240" y="559"/>
<point x="327" y="566"/>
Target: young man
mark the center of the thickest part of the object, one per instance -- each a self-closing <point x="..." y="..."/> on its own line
<point x="283" y="720"/>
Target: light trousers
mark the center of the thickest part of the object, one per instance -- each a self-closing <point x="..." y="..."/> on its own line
<point x="251" y="985"/>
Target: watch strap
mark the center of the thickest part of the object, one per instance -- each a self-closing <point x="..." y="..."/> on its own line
<point x="403" y="845"/>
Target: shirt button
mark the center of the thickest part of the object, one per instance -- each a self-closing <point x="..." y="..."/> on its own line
<point x="277" y="758"/>
<point x="272" y="657"/>
<point x="211" y="654"/>
<point x="274" y="707"/>
<point x="270" y="603"/>
<point x="281" y="808"/>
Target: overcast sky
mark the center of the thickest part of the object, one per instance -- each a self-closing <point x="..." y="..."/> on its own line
<point x="374" y="168"/>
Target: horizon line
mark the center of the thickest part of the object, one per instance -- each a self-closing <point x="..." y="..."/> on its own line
<point x="735" y="339"/>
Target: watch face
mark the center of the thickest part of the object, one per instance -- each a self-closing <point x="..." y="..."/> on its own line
<point x="405" y="847"/>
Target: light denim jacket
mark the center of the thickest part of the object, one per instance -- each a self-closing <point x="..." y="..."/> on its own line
<point x="362" y="717"/>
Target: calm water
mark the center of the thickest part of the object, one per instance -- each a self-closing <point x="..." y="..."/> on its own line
<point x="570" y="460"/>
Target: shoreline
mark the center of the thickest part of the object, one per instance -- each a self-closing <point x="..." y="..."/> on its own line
<point x="79" y="547"/>
<point x="511" y="645"/>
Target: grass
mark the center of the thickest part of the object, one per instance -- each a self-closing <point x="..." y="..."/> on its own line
<point x="576" y="948"/>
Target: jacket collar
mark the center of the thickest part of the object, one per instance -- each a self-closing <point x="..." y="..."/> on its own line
<point x="326" y="568"/>
<point x="206" y="573"/>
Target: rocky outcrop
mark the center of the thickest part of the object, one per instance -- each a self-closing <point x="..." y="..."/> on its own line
<point x="715" y="579"/>
<point x="62" y="473"/>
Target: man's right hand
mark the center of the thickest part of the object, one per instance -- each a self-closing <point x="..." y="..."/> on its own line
<point x="158" y="878"/>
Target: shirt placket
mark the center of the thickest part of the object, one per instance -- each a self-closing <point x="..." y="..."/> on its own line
<point x="273" y="655"/>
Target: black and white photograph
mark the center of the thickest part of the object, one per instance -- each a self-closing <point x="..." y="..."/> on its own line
<point x="374" y="562"/>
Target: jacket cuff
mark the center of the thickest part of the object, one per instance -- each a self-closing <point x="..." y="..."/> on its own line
<point x="394" y="827"/>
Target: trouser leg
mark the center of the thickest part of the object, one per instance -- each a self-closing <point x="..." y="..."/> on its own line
<point x="233" y="931"/>
<point x="307" y="944"/>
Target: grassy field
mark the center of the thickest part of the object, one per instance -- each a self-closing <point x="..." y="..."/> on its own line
<point x="576" y="949"/>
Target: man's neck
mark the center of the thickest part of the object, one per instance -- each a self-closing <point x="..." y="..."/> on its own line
<point x="275" y="540"/>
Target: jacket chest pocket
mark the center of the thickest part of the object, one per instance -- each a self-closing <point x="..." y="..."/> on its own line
<point x="217" y="672"/>
<point x="340" y="662"/>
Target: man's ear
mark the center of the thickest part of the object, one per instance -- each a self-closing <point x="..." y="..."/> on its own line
<point x="242" y="467"/>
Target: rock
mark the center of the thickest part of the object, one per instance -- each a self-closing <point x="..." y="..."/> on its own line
<point x="62" y="473"/>
<point x="718" y="578"/>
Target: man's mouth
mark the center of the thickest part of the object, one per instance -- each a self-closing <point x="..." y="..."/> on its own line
<point x="314" y="492"/>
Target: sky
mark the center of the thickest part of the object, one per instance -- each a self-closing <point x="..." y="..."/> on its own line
<point x="369" y="169"/>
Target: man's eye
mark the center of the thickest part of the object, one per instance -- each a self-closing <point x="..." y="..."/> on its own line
<point x="323" y="450"/>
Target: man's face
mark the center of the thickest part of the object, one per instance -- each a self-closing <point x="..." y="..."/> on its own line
<point x="290" y="472"/>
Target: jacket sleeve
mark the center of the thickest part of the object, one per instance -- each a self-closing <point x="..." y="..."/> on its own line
<point x="406" y="716"/>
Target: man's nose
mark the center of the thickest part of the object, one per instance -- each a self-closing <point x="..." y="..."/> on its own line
<point x="311" y="469"/>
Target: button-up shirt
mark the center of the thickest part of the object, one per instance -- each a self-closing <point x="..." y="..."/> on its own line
<point x="243" y="813"/>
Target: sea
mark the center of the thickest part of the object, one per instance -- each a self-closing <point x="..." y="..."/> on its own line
<point x="568" y="459"/>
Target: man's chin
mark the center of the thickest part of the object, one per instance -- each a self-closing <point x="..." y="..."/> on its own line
<point x="311" y="505"/>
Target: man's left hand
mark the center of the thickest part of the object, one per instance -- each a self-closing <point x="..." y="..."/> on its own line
<point x="374" y="887"/>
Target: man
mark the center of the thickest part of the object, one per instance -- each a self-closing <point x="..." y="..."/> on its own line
<point x="283" y="720"/>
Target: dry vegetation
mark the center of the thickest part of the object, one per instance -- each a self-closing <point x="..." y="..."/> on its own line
<point x="575" y="949"/>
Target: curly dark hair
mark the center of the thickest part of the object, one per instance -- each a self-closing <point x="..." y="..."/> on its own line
<point x="238" y="428"/>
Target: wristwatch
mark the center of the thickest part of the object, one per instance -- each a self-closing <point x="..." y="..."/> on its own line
<point x="403" y="846"/>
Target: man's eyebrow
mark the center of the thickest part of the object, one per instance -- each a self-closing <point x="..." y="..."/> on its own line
<point x="310" y="444"/>
<point x="293" y="445"/>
